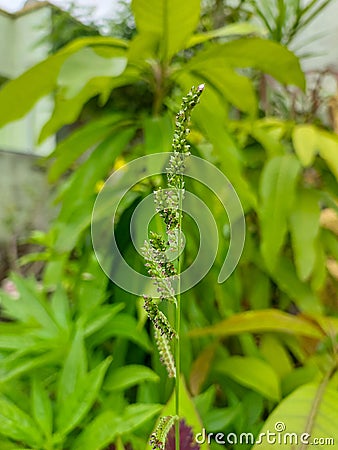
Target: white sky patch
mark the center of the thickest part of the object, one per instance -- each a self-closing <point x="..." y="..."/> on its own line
<point x="101" y="8"/>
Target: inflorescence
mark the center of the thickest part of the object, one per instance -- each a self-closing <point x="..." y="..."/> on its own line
<point x="168" y="203"/>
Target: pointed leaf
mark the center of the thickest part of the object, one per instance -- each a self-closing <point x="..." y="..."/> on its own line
<point x="311" y="409"/>
<point x="16" y="424"/>
<point x="171" y="22"/>
<point x="73" y="371"/>
<point x="328" y="150"/>
<point x="80" y="401"/>
<point x="127" y="376"/>
<point x="23" y="92"/>
<point x="73" y="146"/>
<point x="253" y="373"/>
<point x="82" y="66"/>
<point x="267" y="56"/>
<point x="277" y="189"/>
<point x="262" y="321"/>
<point x="234" y="29"/>
<point x="104" y="429"/>
<point x="42" y="407"/>
<point x="304" y="227"/>
<point x="305" y="143"/>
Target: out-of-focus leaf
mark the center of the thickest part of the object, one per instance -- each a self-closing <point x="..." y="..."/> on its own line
<point x="127" y="376"/>
<point x="60" y="308"/>
<point x="78" y="202"/>
<point x="286" y="278"/>
<point x="103" y="430"/>
<point x="275" y="353"/>
<point x="304" y="227"/>
<point x="23" y="92"/>
<point x="82" y="139"/>
<point x="267" y="56"/>
<point x="79" y="402"/>
<point x="16" y="424"/>
<point x="200" y="369"/>
<point x="234" y="29"/>
<point x="300" y="376"/>
<point x="277" y="189"/>
<point x="73" y="371"/>
<point x="328" y="150"/>
<point x="305" y="143"/>
<point x="158" y="134"/>
<point x="171" y="23"/>
<point x="310" y="409"/>
<point x="309" y="140"/>
<point x="259" y="322"/>
<point x="123" y="325"/>
<point x="220" y="418"/>
<point x="30" y="307"/>
<point x="86" y="64"/>
<point x="67" y="110"/>
<point x="253" y="373"/>
<point x="224" y="146"/>
<point x="42" y="407"/>
<point x="99" y="317"/>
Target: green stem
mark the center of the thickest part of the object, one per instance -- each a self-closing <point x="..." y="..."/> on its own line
<point x="178" y="331"/>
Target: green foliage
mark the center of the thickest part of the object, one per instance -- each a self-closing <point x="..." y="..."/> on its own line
<point x="74" y="349"/>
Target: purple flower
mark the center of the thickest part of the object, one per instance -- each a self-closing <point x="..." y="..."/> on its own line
<point x="187" y="441"/>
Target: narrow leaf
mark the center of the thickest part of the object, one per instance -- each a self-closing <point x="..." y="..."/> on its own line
<point x="304" y="227"/>
<point x="277" y="189"/>
<point x="261" y="321"/>
<point x="171" y="22"/>
<point x="127" y="376"/>
<point x="253" y="373"/>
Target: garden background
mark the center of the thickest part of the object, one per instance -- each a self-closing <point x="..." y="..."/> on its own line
<point x="78" y="364"/>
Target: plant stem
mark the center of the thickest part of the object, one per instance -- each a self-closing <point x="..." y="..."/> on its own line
<point x="178" y="328"/>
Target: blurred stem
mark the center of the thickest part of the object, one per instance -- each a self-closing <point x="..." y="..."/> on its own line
<point x="178" y="328"/>
<point x="160" y="74"/>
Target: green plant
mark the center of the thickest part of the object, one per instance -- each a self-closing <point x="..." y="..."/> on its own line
<point x="169" y="206"/>
<point x="285" y="175"/>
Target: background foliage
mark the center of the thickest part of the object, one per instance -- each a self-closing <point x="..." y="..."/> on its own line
<point x="77" y="367"/>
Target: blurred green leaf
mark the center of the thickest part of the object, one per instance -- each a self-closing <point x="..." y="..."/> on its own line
<point x="304" y="141"/>
<point x="42" y="407"/>
<point x="267" y="56"/>
<point x="60" y="308"/>
<point x="122" y="325"/>
<point x="328" y="150"/>
<point x="23" y="92"/>
<point x="86" y="64"/>
<point x="233" y="29"/>
<point x="84" y="138"/>
<point x="259" y="322"/>
<point x="103" y="430"/>
<point x="277" y="190"/>
<point x="310" y="409"/>
<point x="16" y="424"/>
<point x="275" y="353"/>
<point x="129" y="375"/>
<point x="171" y="23"/>
<point x="286" y="278"/>
<point x="304" y="228"/>
<point x="31" y="307"/>
<point x="81" y="399"/>
<point x="253" y="373"/>
<point x="73" y="371"/>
